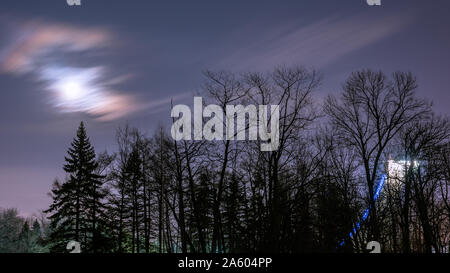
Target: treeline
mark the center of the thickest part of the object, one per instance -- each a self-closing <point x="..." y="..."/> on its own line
<point x="20" y="235"/>
<point x="155" y="194"/>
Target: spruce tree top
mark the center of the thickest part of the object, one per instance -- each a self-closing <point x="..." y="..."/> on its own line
<point x="81" y="153"/>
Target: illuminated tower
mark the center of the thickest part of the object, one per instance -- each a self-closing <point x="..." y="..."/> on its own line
<point x="395" y="171"/>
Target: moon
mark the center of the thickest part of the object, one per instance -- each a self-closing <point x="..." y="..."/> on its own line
<point x="71" y="90"/>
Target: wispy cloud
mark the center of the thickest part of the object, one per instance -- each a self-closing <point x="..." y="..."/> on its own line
<point x="319" y="43"/>
<point x="34" y="41"/>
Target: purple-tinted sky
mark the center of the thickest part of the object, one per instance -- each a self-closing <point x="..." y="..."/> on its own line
<point x="112" y="61"/>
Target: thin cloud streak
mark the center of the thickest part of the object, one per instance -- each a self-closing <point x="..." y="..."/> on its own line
<point x="320" y="43"/>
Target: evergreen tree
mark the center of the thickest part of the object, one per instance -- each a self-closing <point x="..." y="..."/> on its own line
<point x="77" y="203"/>
<point x="24" y="240"/>
<point x="36" y="229"/>
<point x="37" y="244"/>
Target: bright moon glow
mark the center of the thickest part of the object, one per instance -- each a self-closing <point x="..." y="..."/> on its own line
<point x="75" y="89"/>
<point x="72" y="90"/>
<point x="84" y="90"/>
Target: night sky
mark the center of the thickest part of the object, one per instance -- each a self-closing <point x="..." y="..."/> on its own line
<point x="111" y="61"/>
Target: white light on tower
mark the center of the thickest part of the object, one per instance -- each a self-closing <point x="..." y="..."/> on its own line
<point x="396" y="170"/>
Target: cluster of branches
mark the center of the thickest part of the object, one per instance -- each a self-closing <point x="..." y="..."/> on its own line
<point x="159" y="195"/>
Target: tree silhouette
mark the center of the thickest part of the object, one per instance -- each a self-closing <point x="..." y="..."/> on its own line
<point x="77" y="205"/>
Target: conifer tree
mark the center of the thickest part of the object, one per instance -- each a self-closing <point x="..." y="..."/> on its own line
<point x="24" y="239"/>
<point x="77" y="203"/>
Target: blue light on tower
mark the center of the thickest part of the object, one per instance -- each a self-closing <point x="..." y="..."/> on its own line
<point x="380" y="185"/>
